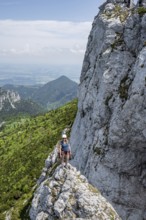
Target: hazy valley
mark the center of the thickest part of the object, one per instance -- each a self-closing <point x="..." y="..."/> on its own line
<point x="32" y="74"/>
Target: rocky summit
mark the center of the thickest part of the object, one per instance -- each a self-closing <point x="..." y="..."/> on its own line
<point x="66" y="194"/>
<point x="109" y="133"/>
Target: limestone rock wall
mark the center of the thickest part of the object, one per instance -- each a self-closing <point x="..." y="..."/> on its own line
<point x="63" y="193"/>
<point x="109" y="134"/>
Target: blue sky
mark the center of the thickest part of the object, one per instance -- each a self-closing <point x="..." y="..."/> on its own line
<point x="45" y="31"/>
<point x="70" y="10"/>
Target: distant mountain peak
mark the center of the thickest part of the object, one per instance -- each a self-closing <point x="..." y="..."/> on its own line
<point x="56" y="92"/>
<point x="63" y="77"/>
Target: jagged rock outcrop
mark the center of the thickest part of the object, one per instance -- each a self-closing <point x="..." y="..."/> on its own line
<point x="8" y="98"/>
<point x="109" y="134"/>
<point x="50" y="161"/>
<point x="66" y="194"/>
<point x="11" y="104"/>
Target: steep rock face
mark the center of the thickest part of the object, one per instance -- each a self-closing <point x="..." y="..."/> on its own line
<point x="109" y="134"/>
<point x="66" y="194"/>
<point x="8" y="98"/>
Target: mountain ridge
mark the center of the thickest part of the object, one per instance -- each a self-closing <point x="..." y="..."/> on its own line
<point x="50" y="95"/>
<point x="54" y="91"/>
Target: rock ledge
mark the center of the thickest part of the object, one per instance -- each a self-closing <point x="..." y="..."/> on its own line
<point x="66" y="194"/>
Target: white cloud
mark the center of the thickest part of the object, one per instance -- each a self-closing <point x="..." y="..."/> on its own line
<point x="49" y="41"/>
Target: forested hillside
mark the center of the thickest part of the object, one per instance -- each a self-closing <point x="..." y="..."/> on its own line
<point x="24" y="145"/>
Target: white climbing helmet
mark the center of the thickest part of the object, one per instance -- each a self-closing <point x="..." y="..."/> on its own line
<point x="64" y="136"/>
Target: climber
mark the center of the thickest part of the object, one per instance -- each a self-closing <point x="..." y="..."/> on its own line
<point x="65" y="150"/>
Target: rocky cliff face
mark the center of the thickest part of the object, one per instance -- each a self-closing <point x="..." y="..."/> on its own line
<point x="66" y="194"/>
<point x="109" y="134"/>
<point x="8" y="99"/>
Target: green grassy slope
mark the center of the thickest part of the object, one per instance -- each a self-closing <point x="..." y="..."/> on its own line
<point x="24" y="146"/>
